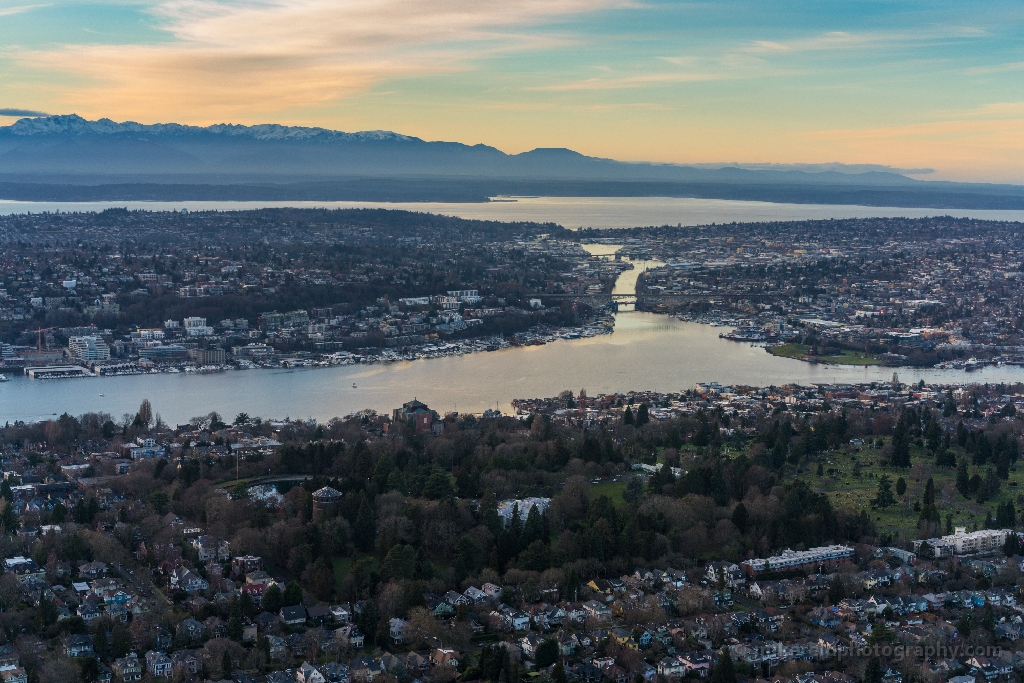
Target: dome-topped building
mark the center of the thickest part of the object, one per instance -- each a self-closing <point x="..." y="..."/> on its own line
<point x="324" y="500"/>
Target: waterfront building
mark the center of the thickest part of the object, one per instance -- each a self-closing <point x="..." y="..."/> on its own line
<point x="417" y="414"/>
<point x="197" y="327"/>
<point x="88" y="348"/>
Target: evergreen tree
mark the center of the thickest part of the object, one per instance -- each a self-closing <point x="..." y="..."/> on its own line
<point x="533" y="530"/>
<point x="9" y="521"/>
<point x="558" y="675"/>
<point x="873" y="672"/>
<point x="724" y="672"/>
<point x="933" y="435"/>
<point x="963" y="477"/>
<point x="900" y="449"/>
<point x="489" y="513"/>
<point x="740" y="517"/>
<point x="901" y="486"/>
<point x="293" y="594"/>
<point x="515" y="524"/>
<point x="642" y="416"/>
<point x="929" y="513"/>
<point x="365" y="530"/>
<point x="225" y="666"/>
<point x="1012" y="546"/>
<point x="235" y="626"/>
<point x="884" y="498"/>
<point x="627" y="416"/>
<point x="90" y="670"/>
<point x="273" y="600"/>
<point x="547" y="653"/>
<point x="122" y="644"/>
<point x="836" y="591"/>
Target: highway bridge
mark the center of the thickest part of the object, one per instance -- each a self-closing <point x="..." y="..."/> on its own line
<point x="667" y="297"/>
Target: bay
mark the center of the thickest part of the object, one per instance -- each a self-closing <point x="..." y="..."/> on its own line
<point x="570" y="212"/>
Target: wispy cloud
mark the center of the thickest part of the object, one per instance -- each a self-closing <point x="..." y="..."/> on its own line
<point x="227" y="58"/>
<point x="19" y="9"/>
<point x="846" y="40"/>
<point x="994" y="69"/>
<point x="640" y="81"/>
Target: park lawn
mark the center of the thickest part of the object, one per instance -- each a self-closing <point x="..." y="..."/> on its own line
<point x="800" y="352"/>
<point x="900" y="520"/>
<point x="612" y="489"/>
<point x="342" y="566"/>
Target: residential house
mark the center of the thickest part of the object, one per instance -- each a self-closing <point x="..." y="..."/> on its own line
<point x="365" y="669"/>
<point x="445" y="657"/>
<point x="162" y="637"/>
<point x="398" y="630"/>
<point x="320" y="614"/>
<point x="159" y="664"/>
<point x="185" y="661"/>
<point x="78" y="645"/>
<point x="672" y="667"/>
<point x="438" y="606"/>
<point x="13" y="674"/>
<point x="92" y="570"/>
<point x="294" y="615"/>
<point x="307" y="673"/>
<point x="697" y="663"/>
<point x="211" y="548"/>
<point x="187" y="580"/>
<point x="597" y="610"/>
<point x="349" y="635"/>
<point x="415" y="663"/>
<point x="190" y="631"/>
<point x="8" y="655"/>
<point x="514" y="619"/>
<point x="615" y="673"/>
<point x="215" y="627"/>
<point x="278" y="648"/>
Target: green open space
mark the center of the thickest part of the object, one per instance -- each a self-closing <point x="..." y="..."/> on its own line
<point x="846" y="357"/>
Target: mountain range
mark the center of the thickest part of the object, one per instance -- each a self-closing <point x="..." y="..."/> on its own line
<point x="70" y="158"/>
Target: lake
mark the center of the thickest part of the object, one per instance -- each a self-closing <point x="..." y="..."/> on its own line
<point x="571" y="212"/>
<point x="646" y="351"/>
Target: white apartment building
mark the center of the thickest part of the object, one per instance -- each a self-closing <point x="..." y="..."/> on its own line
<point x="506" y="507"/>
<point x="88" y="348"/>
<point x="825" y="556"/>
<point x="963" y="543"/>
<point x="197" y="327"/>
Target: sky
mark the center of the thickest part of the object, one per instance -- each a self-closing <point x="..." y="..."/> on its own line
<point x="912" y="84"/>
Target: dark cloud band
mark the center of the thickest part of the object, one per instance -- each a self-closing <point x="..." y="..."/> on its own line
<point x="21" y="112"/>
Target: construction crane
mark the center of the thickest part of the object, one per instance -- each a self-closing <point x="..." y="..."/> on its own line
<point x="39" y="340"/>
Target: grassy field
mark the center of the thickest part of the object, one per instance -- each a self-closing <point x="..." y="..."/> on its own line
<point x="612" y="489"/>
<point x="850" y="491"/>
<point x="800" y="352"/>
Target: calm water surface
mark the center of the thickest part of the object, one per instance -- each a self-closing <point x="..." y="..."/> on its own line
<point x="571" y="212"/>
<point x="645" y="352"/>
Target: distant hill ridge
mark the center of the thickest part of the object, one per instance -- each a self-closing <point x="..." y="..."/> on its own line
<point x="73" y="124"/>
<point x="67" y="156"/>
<point x="72" y="144"/>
